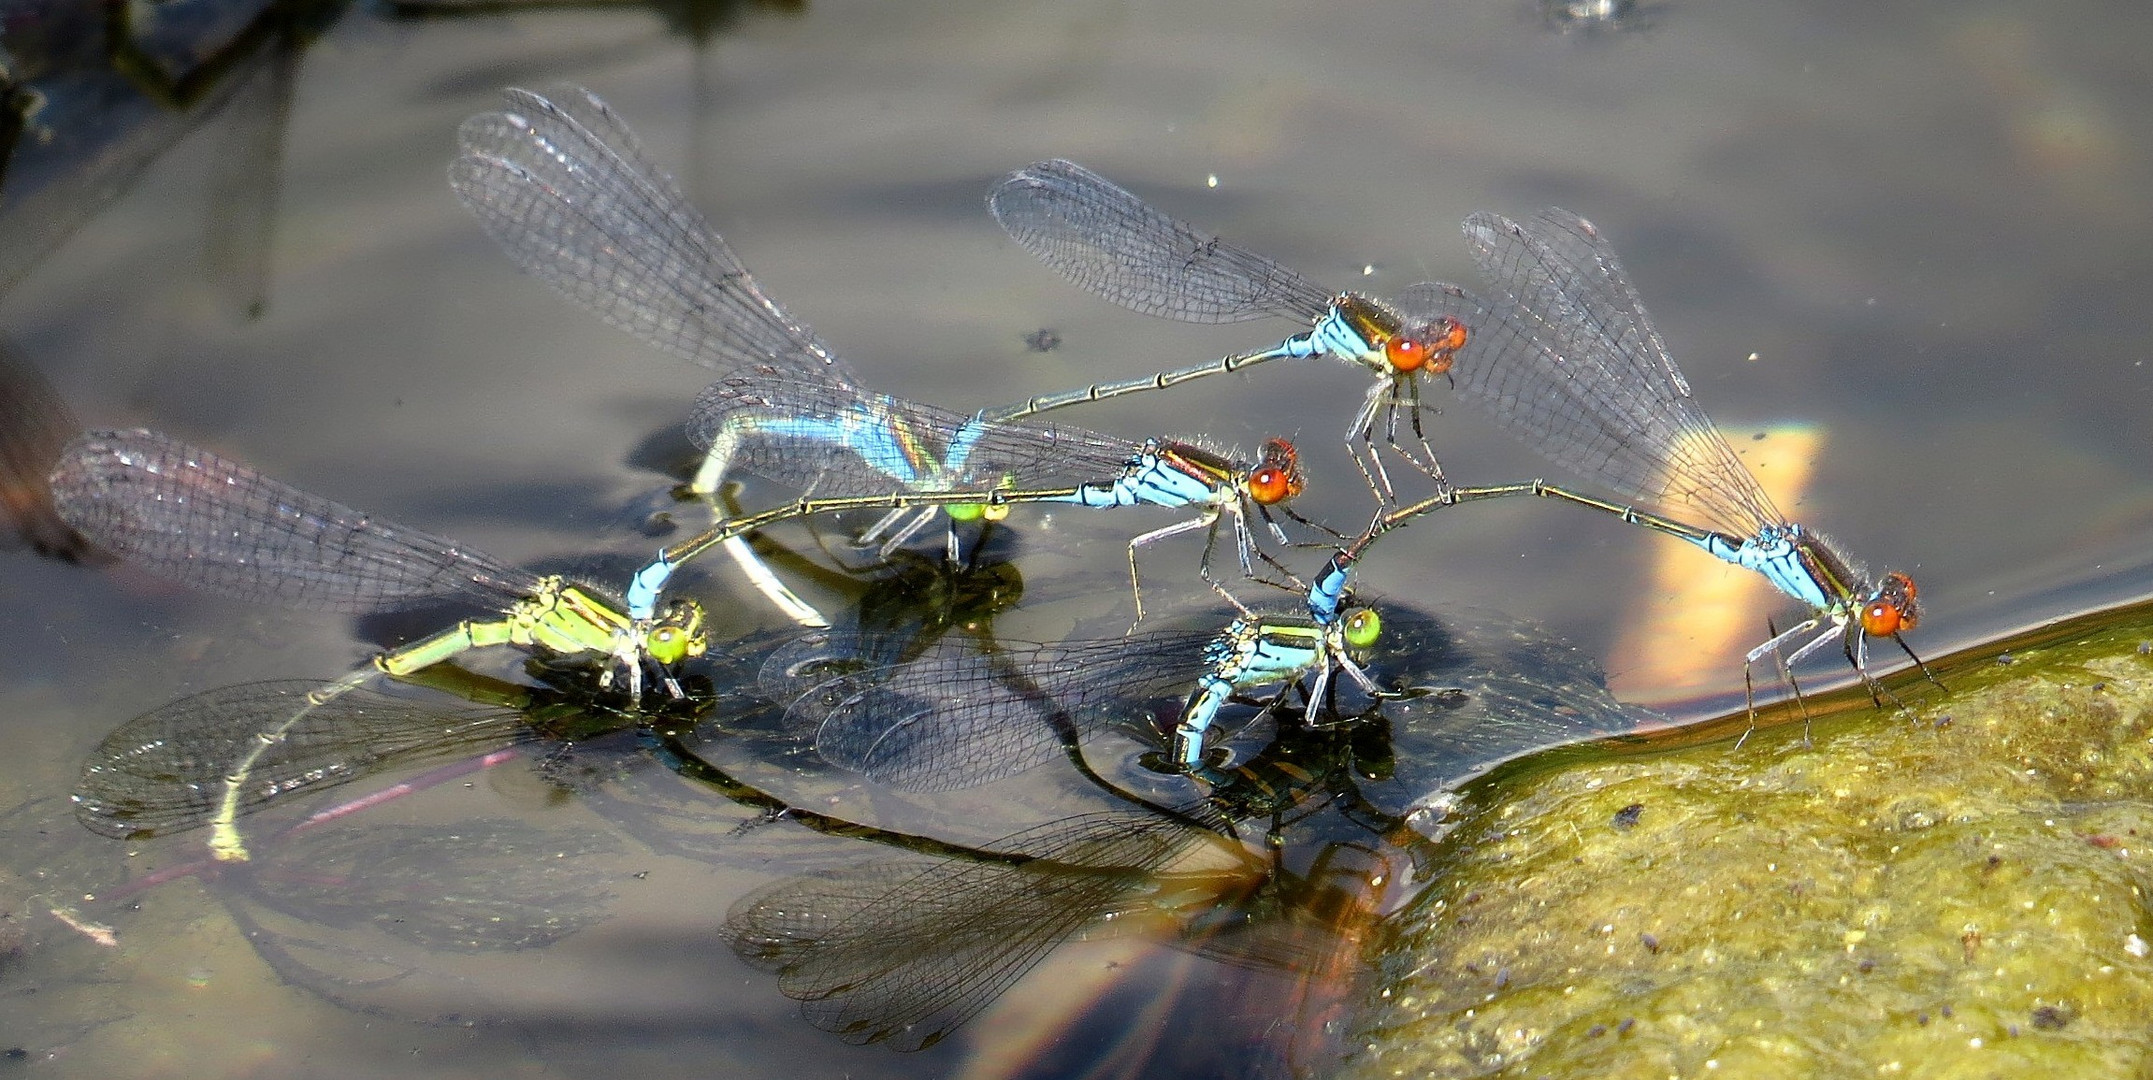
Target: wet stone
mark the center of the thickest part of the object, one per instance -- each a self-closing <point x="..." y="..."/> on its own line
<point x="1902" y="897"/>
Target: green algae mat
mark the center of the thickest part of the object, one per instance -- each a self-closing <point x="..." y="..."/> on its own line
<point x="1955" y="889"/>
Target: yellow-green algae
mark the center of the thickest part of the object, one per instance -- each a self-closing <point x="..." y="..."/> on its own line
<point x="1956" y="890"/>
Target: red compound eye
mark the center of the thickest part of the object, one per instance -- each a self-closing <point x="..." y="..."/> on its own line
<point x="1881" y="618"/>
<point x="1405" y="354"/>
<point x="1270" y="484"/>
<point x="1892" y="609"/>
<point x="1445" y="338"/>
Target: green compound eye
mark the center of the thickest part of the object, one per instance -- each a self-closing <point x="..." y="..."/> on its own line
<point x="966" y="511"/>
<point x="667" y="644"/>
<point x="1363" y="627"/>
<point x="679" y="636"/>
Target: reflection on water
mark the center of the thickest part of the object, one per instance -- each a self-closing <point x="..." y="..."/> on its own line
<point x="34" y="426"/>
<point x="1597" y="16"/>
<point x="1873" y="222"/>
<point x="91" y="96"/>
<point x="426" y="918"/>
<point x="696" y="20"/>
<point x="99" y="94"/>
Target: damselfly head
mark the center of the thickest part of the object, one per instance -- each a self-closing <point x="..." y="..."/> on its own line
<point x="678" y="634"/>
<point x="1383" y="342"/>
<point x="1892" y="609"/>
<point x="1277" y="475"/>
<point x="979" y="511"/>
<point x="1362" y="626"/>
<point x="1430" y="346"/>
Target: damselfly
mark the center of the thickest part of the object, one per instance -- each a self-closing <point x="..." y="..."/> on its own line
<point x="957" y="717"/>
<point x="563" y="186"/>
<point x="850" y="449"/>
<point x="1111" y="242"/>
<point x="214" y="524"/>
<point x="1565" y="356"/>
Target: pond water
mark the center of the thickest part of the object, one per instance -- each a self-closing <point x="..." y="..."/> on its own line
<point x="1908" y="241"/>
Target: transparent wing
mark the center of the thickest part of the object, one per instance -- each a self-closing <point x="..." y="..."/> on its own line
<point x="563" y="186"/>
<point x="907" y="950"/>
<point x="165" y="771"/>
<point x="959" y="717"/>
<point x="214" y="524"/>
<point x="1112" y="243"/>
<point x="1565" y="354"/>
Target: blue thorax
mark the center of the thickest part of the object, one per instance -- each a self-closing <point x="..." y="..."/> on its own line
<point x="1151" y="478"/>
<point x="1328" y="591"/>
<point x="1776" y="553"/>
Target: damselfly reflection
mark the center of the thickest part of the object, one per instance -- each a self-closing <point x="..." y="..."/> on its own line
<point x="212" y="758"/>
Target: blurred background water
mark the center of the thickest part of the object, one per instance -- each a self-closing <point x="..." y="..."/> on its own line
<point x="1917" y="233"/>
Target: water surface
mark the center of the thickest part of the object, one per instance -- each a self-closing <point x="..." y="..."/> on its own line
<point x="1919" y="230"/>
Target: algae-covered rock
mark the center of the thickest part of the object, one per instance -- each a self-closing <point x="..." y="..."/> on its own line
<point x="1959" y="889"/>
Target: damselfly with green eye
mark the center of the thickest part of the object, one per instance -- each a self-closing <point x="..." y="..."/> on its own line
<point x="213" y="524"/>
<point x="958" y="717"/>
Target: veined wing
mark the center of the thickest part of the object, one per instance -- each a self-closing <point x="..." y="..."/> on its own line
<point x="1566" y="354"/>
<point x="1101" y="237"/>
<point x="214" y="524"/>
<point x="563" y="186"/>
<point x="166" y="771"/>
<point x="906" y="950"/>
<point x="959" y="717"/>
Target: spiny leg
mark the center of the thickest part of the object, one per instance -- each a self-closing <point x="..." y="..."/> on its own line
<point x="885" y="523"/>
<point x="1324" y="691"/>
<point x="1786" y="671"/>
<point x="1389" y="411"/>
<point x="1772" y="646"/>
<point x="630" y="654"/>
<point x="1434" y="468"/>
<point x="1856" y="647"/>
<point x="1360" y="678"/>
<point x="1364" y="455"/>
<point x="1203" y="565"/>
<point x="921" y="515"/>
<point x="1846" y="647"/>
<point x="1245" y="540"/>
<point x="1925" y="673"/>
<point x="953" y="546"/>
<point x="1206" y="520"/>
<point x="1336" y="537"/>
